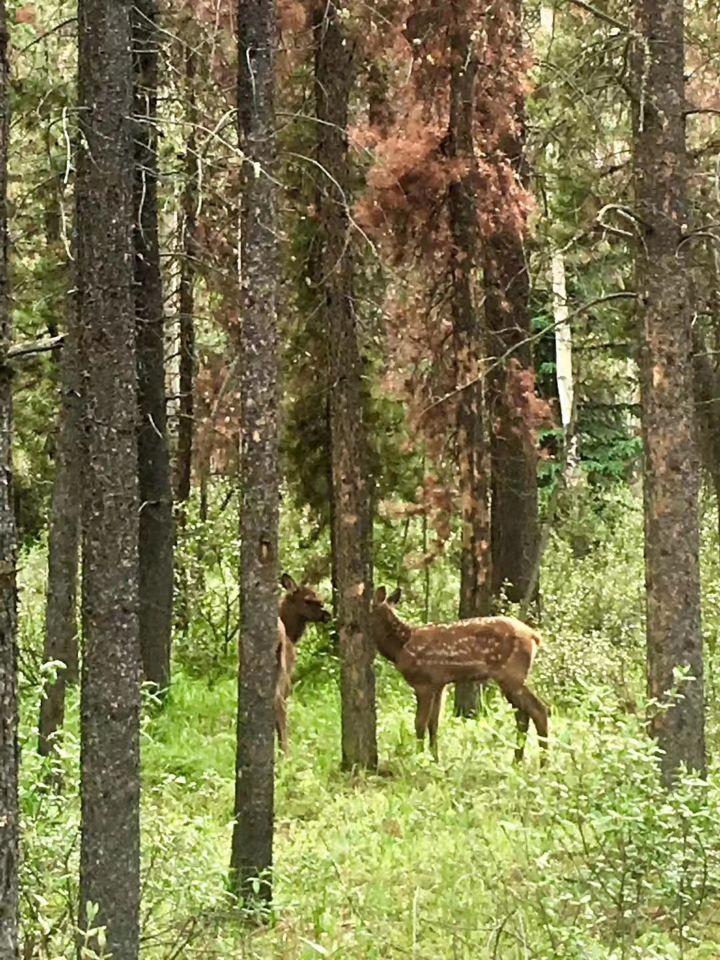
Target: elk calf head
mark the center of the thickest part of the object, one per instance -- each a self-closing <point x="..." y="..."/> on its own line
<point x="299" y="607"/>
<point x="390" y="634"/>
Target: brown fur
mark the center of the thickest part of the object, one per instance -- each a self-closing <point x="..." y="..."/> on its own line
<point x="486" y="648"/>
<point x="298" y="607"/>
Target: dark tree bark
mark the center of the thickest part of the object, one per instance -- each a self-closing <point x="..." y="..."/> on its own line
<point x="707" y="414"/>
<point x="380" y="112"/>
<point x="61" y="634"/>
<point x="9" y="826"/>
<point x="187" y="294"/>
<point x="188" y="270"/>
<point x="468" y="337"/>
<point x="674" y="638"/>
<point x="351" y="512"/>
<point x="707" y="407"/>
<point x="252" y="842"/>
<point x="707" y="377"/>
<point x="61" y="621"/>
<point x="155" y="489"/>
<point x="110" y="704"/>
<point x="515" y="528"/>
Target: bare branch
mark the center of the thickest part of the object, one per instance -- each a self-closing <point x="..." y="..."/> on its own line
<point x="701" y="111"/>
<point x="34" y="347"/>
<point x="619" y="295"/>
<point x="601" y="15"/>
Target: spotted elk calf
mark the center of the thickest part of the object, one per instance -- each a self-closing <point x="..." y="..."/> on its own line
<point x="299" y="607"/>
<point x="486" y="648"/>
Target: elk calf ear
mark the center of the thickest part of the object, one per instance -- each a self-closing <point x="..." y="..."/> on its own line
<point x="287" y="582"/>
<point x="380" y="595"/>
<point x="395" y="596"/>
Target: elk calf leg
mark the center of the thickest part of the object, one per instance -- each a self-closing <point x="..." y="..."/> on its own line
<point x="522" y="722"/>
<point x="434" y="721"/>
<point x="525" y="702"/>
<point x="424" y="696"/>
<point x="281" y="724"/>
<point x="539" y="713"/>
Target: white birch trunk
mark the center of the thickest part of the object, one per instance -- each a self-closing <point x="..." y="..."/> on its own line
<point x="547" y="19"/>
<point x="564" y="363"/>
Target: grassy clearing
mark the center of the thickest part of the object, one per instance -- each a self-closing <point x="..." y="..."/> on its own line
<point x="470" y="858"/>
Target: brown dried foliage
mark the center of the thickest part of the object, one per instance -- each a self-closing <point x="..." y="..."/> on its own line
<point x="405" y="208"/>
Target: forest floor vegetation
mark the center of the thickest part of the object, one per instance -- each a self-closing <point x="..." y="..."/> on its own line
<point x="471" y="857"/>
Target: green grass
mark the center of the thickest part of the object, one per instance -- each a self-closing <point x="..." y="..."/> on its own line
<point x="470" y="858"/>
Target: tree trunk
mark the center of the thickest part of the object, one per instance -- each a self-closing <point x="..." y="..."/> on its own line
<point x="188" y="269"/>
<point x="515" y="529"/>
<point x="61" y="640"/>
<point x="707" y="410"/>
<point x="380" y="111"/>
<point x="468" y="337"/>
<point x="547" y="19"/>
<point x="710" y="402"/>
<point x="351" y="487"/>
<point x="674" y="637"/>
<point x="61" y="622"/>
<point x="9" y="827"/>
<point x="110" y="704"/>
<point x="252" y="842"/>
<point x="155" y="490"/>
<point x="564" y="364"/>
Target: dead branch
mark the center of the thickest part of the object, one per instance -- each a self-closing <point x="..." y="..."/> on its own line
<point x="22" y="350"/>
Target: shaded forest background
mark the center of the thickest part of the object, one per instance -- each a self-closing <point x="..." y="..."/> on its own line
<point x="456" y="230"/>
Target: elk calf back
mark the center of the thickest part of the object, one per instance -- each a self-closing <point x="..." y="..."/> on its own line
<point x="497" y="648"/>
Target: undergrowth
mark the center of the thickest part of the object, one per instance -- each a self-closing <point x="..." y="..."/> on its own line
<point x="469" y="858"/>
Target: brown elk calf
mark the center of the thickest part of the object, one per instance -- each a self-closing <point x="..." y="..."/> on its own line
<point x="299" y="607"/>
<point x="486" y="648"/>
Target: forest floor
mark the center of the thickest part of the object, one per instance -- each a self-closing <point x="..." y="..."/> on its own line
<point x="470" y="858"/>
